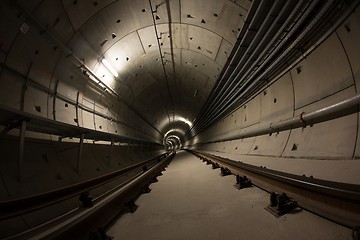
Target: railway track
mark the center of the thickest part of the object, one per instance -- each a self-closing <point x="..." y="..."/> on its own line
<point x="338" y="202"/>
<point x="94" y="212"/>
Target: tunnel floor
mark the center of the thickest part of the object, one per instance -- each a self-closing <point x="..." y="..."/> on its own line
<point x="192" y="201"/>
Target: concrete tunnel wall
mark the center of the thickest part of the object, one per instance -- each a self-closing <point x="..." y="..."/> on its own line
<point x="55" y="88"/>
<point x="328" y="75"/>
<point x="50" y="165"/>
<point x="39" y="79"/>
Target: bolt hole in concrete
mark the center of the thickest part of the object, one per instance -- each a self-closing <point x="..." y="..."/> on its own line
<point x="347" y="27"/>
<point x="192" y="201"/>
<point x="103" y="42"/>
<point x="37" y="108"/>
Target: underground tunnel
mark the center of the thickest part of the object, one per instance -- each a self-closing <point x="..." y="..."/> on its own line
<point x="179" y="119"/>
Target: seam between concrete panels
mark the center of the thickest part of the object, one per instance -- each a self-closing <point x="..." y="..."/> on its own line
<point x="353" y="78"/>
<point x="293" y="113"/>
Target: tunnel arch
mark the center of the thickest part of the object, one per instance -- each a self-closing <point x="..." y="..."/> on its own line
<point x="240" y="79"/>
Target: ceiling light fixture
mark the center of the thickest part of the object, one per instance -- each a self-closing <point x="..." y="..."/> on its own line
<point x="109" y="67"/>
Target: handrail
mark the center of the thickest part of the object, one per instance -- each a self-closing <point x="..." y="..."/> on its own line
<point x="339" y="202"/>
<point x="336" y="110"/>
<point x="24" y="205"/>
<point x="10" y="116"/>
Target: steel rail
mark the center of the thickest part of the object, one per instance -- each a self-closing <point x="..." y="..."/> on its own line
<point x="80" y="223"/>
<point x="338" y="202"/>
<point x="20" y="206"/>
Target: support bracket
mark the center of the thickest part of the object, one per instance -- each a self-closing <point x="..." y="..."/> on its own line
<point x="242" y="182"/>
<point x="280" y="204"/>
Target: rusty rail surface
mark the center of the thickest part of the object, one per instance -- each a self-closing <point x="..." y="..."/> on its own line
<point x="338" y="202"/>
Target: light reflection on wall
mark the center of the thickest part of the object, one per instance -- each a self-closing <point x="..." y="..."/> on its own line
<point x="177" y="144"/>
<point x="104" y="75"/>
<point x="176" y="122"/>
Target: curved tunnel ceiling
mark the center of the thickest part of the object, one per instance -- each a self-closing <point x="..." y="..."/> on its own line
<point x="179" y="65"/>
<point x="166" y="55"/>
